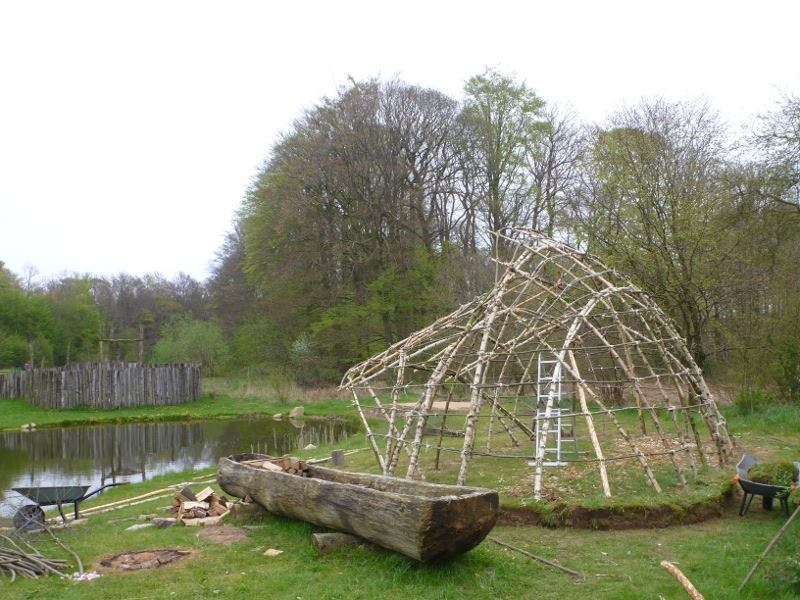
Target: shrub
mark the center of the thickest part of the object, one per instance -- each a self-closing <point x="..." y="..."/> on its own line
<point x="788" y="367"/>
<point x="752" y="399"/>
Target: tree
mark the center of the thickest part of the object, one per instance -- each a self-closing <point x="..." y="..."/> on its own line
<point x="187" y="340"/>
<point x="360" y="197"/>
<point x="763" y="316"/>
<point x="776" y="143"/>
<point x="26" y="325"/>
<point x="77" y="321"/>
<point x="231" y="297"/>
<point x="552" y="160"/>
<point x="504" y="123"/>
<point x="653" y="207"/>
<point x="130" y="305"/>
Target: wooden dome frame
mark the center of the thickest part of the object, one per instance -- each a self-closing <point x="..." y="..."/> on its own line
<point x="602" y="332"/>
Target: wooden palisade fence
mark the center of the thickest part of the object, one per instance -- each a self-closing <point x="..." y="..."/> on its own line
<point x="104" y="385"/>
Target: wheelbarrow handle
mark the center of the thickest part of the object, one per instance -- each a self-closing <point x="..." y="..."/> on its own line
<point x="98" y="490"/>
<point x="90" y="494"/>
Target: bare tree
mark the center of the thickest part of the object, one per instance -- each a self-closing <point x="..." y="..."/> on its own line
<point x="776" y="141"/>
<point x="654" y="207"/>
<point x="553" y="163"/>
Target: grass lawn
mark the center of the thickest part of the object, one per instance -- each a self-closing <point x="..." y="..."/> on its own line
<point x="715" y="555"/>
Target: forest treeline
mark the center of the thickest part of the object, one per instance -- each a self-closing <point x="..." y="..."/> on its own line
<point x="373" y="215"/>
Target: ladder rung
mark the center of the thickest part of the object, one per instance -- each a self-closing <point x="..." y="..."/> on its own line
<point x="548" y="463"/>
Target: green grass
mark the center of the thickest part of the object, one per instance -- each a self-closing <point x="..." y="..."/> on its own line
<point x="220" y="399"/>
<point x="715" y="555"/>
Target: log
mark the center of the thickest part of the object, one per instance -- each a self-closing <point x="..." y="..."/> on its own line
<point x="325" y="542"/>
<point x="422" y="520"/>
<point x="687" y="585"/>
<point x="188" y="494"/>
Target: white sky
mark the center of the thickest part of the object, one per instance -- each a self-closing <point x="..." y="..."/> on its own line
<point x="130" y="130"/>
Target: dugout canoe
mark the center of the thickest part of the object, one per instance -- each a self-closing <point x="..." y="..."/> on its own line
<point x="425" y="521"/>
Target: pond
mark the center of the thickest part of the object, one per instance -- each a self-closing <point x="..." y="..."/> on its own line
<point x="100" y="454"/>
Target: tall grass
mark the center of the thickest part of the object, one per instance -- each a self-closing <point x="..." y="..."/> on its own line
<point x="275" y="390"/>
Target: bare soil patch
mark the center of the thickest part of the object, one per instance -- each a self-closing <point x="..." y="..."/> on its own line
<point x="143" y="559"/>
<point x="224" y="534"/>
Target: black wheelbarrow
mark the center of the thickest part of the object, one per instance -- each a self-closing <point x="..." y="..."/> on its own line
<point x="767" y="491"/>
<point x="54" y="496"/>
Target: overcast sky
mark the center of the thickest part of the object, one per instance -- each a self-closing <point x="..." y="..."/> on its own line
<point x="130" y="130"/>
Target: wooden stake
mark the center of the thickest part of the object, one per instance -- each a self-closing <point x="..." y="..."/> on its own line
<point x="126" y="501"/>
<point x="534" y="557"/>
<point x="769" y="547"/>
<point x="687" y="585"/>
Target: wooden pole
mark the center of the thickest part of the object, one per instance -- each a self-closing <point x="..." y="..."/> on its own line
<point x="534" y="557"/>
<point x="769" y="547"/>
<point x="687" y="585"/>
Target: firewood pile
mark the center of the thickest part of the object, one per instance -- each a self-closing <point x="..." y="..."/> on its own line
<point x="293" y="466"/>
<point x="204" y="507"/>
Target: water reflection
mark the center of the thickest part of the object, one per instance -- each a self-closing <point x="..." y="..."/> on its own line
<point x="96" y="455"/>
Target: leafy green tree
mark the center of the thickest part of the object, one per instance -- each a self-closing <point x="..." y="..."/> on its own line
<point x="232" y="299"/>
<point x="129" y="305"/>
<point x="763" y="316"/>
<point x="76" y="320"/>
<point x="24" y="319"/>
<point x="190" y="341"/>
<point x="360" y="198"/>
<point x="14" y="350"/>
<point x="505" y="124"/>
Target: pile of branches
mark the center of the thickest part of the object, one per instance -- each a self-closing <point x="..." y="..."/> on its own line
<point x="14" y="560"/>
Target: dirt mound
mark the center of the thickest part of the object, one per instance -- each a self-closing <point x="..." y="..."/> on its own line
<point x="617" y="517"/>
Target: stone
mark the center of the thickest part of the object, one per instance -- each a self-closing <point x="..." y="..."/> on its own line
<point x="164" y="522"/>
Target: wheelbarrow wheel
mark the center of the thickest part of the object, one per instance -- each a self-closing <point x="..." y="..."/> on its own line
<point x="30" y="516"/>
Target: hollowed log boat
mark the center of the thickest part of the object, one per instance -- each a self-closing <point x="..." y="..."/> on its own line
<point x="425" y="521"/>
